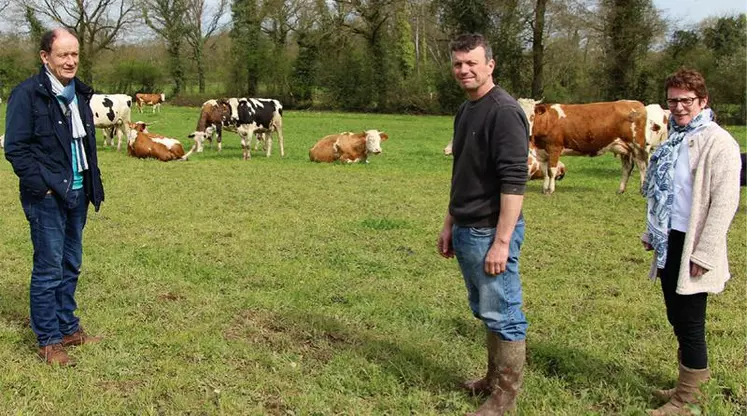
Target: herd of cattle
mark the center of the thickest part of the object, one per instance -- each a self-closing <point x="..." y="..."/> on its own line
<point x="626" y="128"/>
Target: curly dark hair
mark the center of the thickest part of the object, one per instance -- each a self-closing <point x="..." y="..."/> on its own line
<point x="690" y="80"/>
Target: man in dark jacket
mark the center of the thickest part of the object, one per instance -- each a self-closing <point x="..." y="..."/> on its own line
<point x="51" y="143"/>
<point x="484" y="227"/>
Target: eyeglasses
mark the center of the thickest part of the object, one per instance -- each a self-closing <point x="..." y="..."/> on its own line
<point x="686" y="102"/>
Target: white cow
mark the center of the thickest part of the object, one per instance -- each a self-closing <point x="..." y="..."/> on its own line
<point x="111" y="112"/>
<point x="657" y="121"/>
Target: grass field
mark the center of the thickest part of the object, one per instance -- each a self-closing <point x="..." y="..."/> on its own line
<point x="284" y="287"/>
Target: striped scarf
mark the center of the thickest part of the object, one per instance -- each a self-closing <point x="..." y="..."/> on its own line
<point x="69" y="104"/>
<point x="658" y="187"/>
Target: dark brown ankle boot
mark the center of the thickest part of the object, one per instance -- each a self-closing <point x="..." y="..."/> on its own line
<point x="485" y="385"/>
<point x="509" y="361"/>
<point x="55" y="354"/>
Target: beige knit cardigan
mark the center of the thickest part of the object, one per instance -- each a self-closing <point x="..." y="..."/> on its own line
<point x="715" y="165"/>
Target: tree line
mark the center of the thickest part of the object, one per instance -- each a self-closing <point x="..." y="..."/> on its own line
<point x="380" y="55"/>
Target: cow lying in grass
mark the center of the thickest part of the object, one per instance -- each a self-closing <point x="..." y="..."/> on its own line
<point x="143" y="144"/>
<point x="348" y="147"/>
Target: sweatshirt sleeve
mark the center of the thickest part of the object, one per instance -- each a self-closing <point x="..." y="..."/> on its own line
<point x="509" y="148"/>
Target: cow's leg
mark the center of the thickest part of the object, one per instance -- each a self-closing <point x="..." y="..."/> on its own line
<point x="219" y="139"/>
<point x="245" y="145"/>
<point x="268" y="142"/>
<point x="641" y="161"/>
<point x="246" y="132"/>
<point x="552" y="171"/>
<point x="627" y="168"/>
<point x="119" y="137"/>
<point x="279" y="129"/>
<point x="105" y="134"/>
<point x="545" y="158"/>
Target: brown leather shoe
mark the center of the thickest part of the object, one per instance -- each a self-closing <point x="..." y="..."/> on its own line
<point x="55" y="354"/>
<point x="79" y="337"/>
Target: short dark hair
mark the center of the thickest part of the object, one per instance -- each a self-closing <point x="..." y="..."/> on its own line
<point x="49" y="36"/>
<point x="688" y="79"/>
<point x="469" y="41"/>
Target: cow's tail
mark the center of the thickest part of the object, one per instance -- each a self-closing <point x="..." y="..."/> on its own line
<point x="188" y="154"/>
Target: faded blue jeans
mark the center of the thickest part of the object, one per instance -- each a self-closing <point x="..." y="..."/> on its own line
<point x="496" y="300"/>
<point x="57" y="236"/>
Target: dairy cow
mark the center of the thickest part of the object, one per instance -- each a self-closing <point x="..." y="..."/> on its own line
<point x="111" y="112"/>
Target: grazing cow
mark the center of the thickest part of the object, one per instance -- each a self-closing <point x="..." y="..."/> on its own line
<point x="590" y="129"/>
<point x="260" y="115"/>
<point x="143" y="144"/>
<point x="657" y="121"/>
<point x="211" y="119"/>
<point x="348" y="147"/>
<point x="111" y="112"/>
<point x="150" y="99"/>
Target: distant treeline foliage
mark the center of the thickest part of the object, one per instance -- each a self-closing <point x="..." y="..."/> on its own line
<point x="388" y="55"/>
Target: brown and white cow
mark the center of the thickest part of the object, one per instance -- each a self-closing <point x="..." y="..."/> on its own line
<point x="212" y="115"/>
<point x="590" y="129"/>
<point x="143" y="144"/>
<point x="149" y="99"/>
<point x="348" y="147"/>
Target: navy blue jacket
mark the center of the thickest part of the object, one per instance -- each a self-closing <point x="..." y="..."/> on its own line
<point x="38" y="137"/>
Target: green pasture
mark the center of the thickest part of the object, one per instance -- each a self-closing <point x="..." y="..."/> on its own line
<point x="285" y="287"/>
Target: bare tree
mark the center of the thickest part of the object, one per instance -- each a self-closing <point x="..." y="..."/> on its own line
<point x="4" y="5"/>
<point x="98" y="23"/>
<point x="198" y="34"/>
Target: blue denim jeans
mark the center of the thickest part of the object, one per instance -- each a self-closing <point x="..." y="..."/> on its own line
<point x="57" y="236"/>
<point x="496" y="300"/>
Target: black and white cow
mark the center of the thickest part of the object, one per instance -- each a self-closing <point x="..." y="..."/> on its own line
<point x="111" y="112"/>
<point x="260" y="116"/>
<point x="247" y="117"/>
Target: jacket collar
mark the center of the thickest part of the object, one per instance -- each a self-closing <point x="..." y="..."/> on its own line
<point x="44" y="86"/>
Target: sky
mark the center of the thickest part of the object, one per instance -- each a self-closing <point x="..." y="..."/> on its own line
<point x="686" y="12"/>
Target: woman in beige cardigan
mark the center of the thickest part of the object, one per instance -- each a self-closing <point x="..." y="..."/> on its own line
<point x="692" y="187"/>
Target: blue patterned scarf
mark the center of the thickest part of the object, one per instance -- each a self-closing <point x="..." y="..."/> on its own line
<point x="658" y="187"/>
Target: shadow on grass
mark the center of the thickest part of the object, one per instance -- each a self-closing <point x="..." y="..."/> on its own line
<point x="14" y="311"/>
<point x="581" y="371"/>
<point x="321" y="338"/>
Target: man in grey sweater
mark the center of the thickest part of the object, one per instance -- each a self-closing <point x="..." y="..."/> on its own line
<point x="484" y="226"/>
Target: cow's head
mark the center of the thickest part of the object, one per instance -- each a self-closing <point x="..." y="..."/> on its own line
<point x="373" y="141"/>
<point x="163" y="98"/>
<point x="140" y="126"/>
<point x="448" y="149"/>
<point x="528" y="105"/>
<point x="225" y="111"/>
<point x="200" y="136"/>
